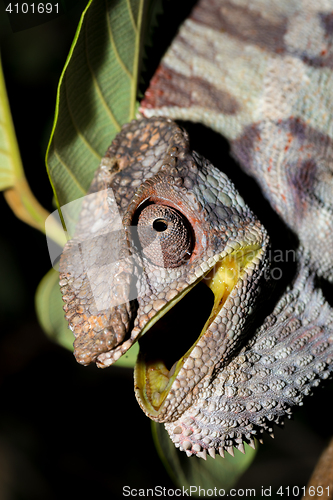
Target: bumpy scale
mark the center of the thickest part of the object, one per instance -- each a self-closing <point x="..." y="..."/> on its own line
<point x="170" y="224"/>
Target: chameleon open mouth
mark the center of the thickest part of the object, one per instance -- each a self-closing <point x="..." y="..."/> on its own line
<point x="170" y="337"/>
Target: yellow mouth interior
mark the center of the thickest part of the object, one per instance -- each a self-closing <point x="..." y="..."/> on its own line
<point x="153" y="378"/>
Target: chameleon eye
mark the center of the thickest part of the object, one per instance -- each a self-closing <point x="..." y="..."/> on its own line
<point x="165" y="236"/>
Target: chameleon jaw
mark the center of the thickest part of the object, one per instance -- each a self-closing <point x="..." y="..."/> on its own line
<point x="153" y="380"/>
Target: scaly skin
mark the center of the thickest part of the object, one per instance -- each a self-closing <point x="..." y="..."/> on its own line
<point x="260" y="73"/>
<point x="218" y="397"/>
<point x="222" y="227"/>
<point x="288" y="356"/>
<point x="259" y="76"/>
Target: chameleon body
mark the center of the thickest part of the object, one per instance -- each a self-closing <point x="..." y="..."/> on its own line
<point x="169" y="223"/>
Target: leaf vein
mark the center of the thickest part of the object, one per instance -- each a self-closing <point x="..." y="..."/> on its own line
<point x="130" y="11"/>
<point x="97" y="87"/>
<point x="4" y="151"/>
<point x="57" y="155"/>
<point x="83" y="139"/>
<point x="113" y="43"/>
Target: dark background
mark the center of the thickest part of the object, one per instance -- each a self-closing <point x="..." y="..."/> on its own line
<point x="73" y="432"/>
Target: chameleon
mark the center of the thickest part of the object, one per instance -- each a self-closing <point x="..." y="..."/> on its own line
<point x="163" y="233"/>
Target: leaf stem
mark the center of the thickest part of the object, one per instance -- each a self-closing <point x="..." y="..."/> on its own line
<point x="27" y="208"/>
<point x="11" y="149"/>
<point x="13" y="181"/>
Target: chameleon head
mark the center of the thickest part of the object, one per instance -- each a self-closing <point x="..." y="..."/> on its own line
<point x="188" y="232"/>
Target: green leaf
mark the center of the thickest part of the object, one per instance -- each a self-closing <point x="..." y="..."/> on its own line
<point x="10" y="159"/>
<point x="219" y="473"/>
<point x="51" y="317"/>
<point x="96" y="95"/>
<point x="49" y="310"/>
<point x="12" y="179"/>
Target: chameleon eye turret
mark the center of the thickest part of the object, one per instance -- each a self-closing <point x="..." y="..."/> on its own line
<point x="165" y="236"/>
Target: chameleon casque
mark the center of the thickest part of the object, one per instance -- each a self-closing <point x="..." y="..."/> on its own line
<point x="261" y="74"/>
